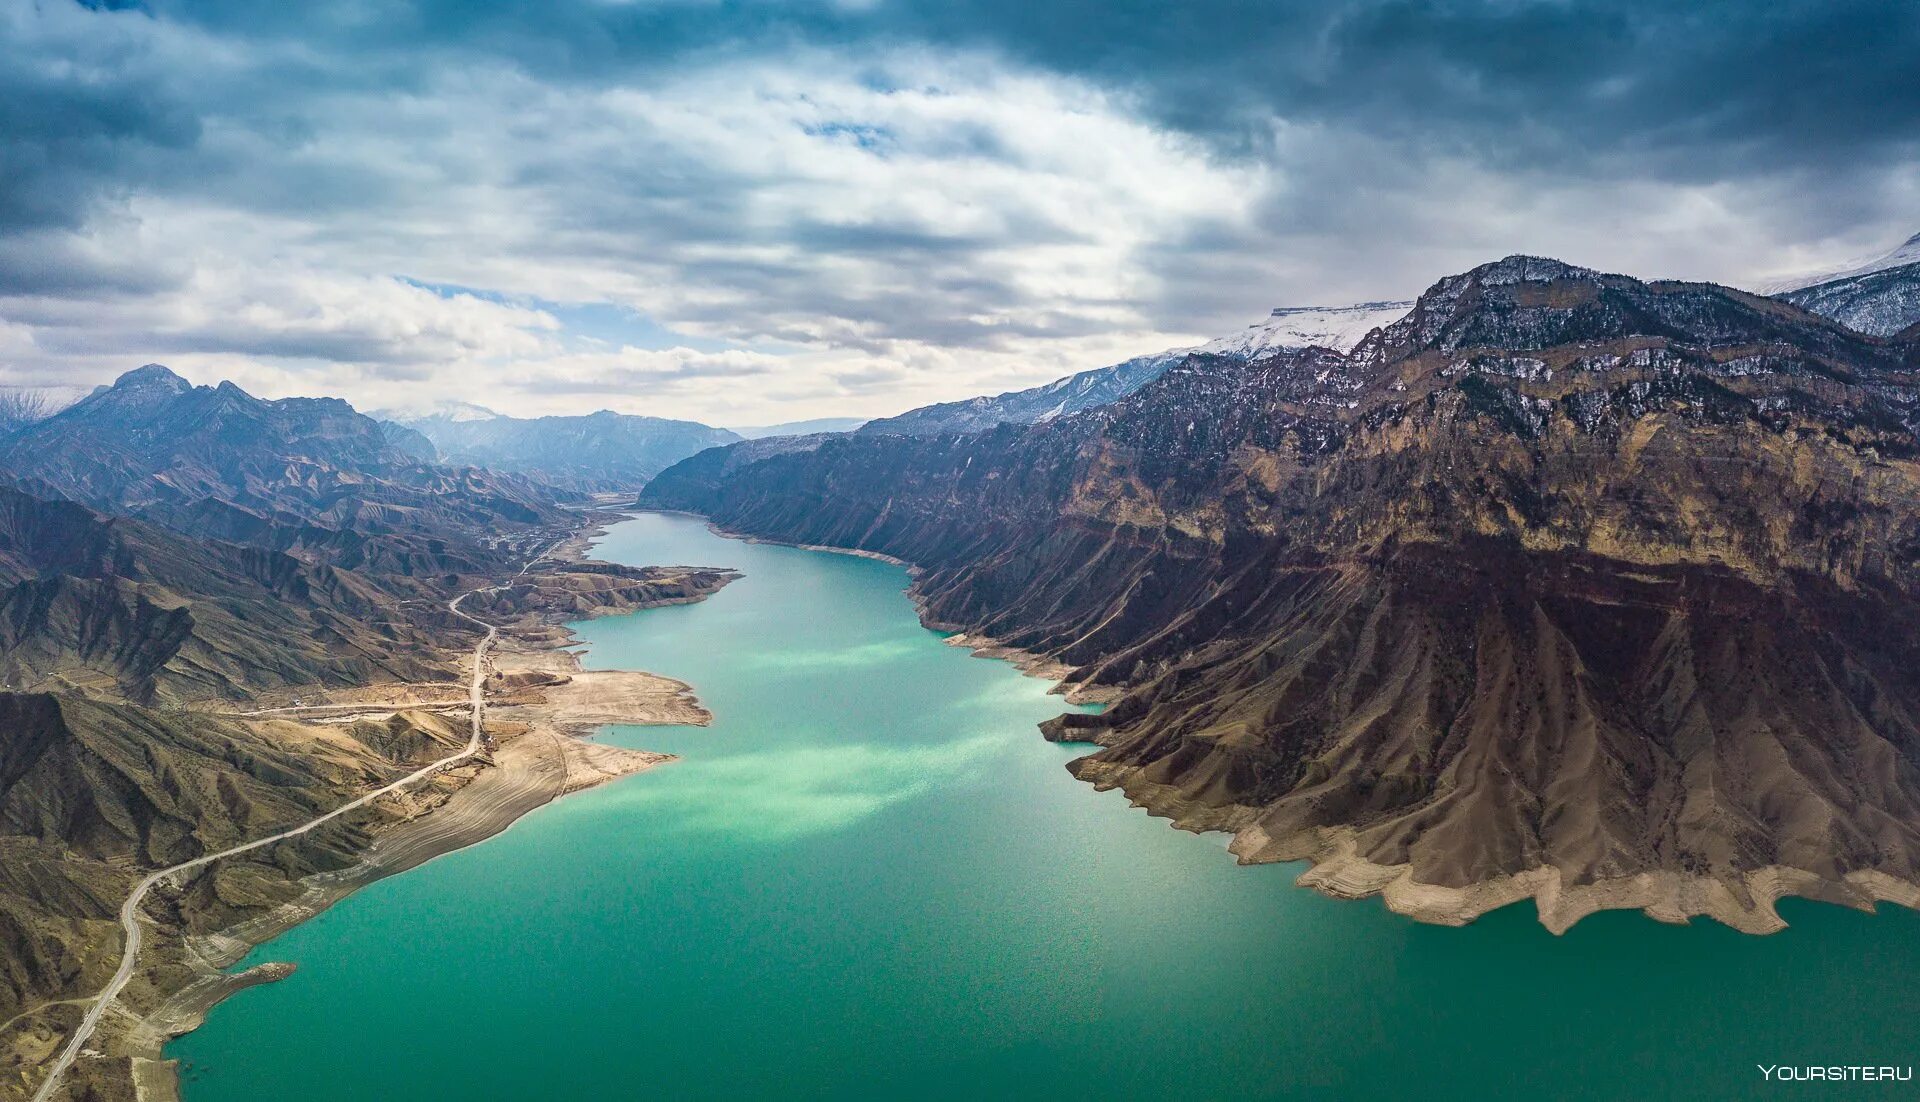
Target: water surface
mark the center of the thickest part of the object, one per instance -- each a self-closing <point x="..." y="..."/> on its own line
<point x="871" y="878"/>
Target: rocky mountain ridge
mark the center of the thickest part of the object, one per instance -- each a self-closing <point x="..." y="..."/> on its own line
<point x="214" y="460"/>
<point x="1339" y="327"/>
<point x="1565" y="585"/>
<point x="118" y="608"/>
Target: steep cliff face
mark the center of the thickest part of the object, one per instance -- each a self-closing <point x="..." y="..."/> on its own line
<point x="1565" y="585"/>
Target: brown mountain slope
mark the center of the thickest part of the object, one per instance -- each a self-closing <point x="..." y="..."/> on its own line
<point x="91" y="793"/>
<point x="1566" y="585"/>
<point x="117" y="607"/>
<point x="166" y="547"/>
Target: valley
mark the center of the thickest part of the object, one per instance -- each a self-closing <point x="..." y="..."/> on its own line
<point x="1331" y="550"/>
<point x="1550" y="585"/>
<point x="876" y="874"/>
<point x="255" y="658"/>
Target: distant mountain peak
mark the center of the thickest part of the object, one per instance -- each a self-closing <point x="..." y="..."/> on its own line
<point x="1907" y="253"/>
<point x="153" y="376"/>
<point x="1358" y="307"/>
<point x="594" y="452"/>
<point x="1881" y="297"/>
<point x="1284" y="329"/>
<point x="1520" y="268"/>
<point x="446" y="410"/>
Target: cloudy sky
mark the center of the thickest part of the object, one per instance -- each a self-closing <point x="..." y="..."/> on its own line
<point x="745" y="212"/>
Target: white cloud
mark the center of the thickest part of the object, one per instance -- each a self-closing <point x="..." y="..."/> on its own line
<point x="831" y="231"/>
<point x="891" y="230"/>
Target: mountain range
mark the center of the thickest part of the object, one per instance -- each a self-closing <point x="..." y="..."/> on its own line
<point x="596" y="453"/>
<point x="1562" y="585"/>
<point x="1550" y="583"/>
<point x="1339" y="327"/>
<point x="216" y="461"/>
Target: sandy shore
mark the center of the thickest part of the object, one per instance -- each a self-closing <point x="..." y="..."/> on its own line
<point x="529" y="771"/>
<point x="1746" y="905"/>
<point x="1337" y="870"/>
<point x="542" y="707"/>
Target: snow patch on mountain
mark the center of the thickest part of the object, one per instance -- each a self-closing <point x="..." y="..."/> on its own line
<point x="1880" y="298"/>
<point x="449" y="410"/>
<point x="1336" y="327"/>
<point x="1908" y="253"/>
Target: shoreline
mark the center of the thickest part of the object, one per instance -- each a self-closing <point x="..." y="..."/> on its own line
<point x="550" y="755"/>
<point x="531" y="770"/>
<point x="1335" y="870"/>
<point x="977" y="645"/>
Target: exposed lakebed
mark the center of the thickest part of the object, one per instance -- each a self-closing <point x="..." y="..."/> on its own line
<point x="870" y="877"/>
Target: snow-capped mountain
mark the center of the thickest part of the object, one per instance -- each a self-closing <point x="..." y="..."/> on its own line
<point x="1908" y="253"/>
<point x="1336" y="327"/>
<point x="1880" y="298"/>
<point x="449" y="410"/>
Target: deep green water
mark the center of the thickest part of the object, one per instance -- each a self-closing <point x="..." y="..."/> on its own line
<point x="871" y="878"/>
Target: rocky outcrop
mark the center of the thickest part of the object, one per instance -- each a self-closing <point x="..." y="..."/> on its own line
<point x="1562" y="582"/>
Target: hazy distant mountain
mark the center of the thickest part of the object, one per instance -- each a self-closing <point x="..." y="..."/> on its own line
<point x="1564" y="585"/>
<point x="800" y="428"/>
<point x="1336" y="327"/>
<point x="598" y="452"/>
<point x="155" y="445"/>
<point x="444" y="410"/>
<point x="1881" y="297"/>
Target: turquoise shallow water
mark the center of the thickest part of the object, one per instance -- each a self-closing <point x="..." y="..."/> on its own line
<point x="871" y="878"/>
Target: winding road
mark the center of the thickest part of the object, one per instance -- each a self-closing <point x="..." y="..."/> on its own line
<point x="130" y="910"/>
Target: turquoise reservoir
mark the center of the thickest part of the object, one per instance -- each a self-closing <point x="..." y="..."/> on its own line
<point x="871" y="878"/>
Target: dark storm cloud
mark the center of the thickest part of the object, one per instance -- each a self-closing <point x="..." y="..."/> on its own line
<point x="1793" y="79"/>
<point x="70" y="131"/>
<point x="1693" y="91"/>
<point x="1510" y="79"/>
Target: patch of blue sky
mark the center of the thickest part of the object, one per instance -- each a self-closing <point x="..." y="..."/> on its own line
<point x="603" y="324"/>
